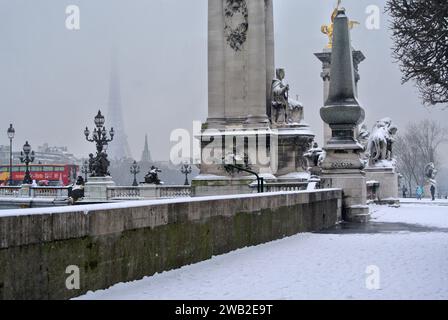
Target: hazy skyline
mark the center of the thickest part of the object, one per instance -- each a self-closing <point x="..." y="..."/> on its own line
<point x="53" y="80"/>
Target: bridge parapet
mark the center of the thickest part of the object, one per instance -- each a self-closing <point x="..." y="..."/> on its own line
<point x="125" y="241"/>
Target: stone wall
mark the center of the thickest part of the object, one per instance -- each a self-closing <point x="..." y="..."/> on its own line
<point x="127" y="241"/>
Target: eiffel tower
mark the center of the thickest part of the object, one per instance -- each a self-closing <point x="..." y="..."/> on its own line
<point x="119" y="148"/>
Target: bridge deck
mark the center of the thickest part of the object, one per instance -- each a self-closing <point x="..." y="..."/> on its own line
<point x="408" y="246"/>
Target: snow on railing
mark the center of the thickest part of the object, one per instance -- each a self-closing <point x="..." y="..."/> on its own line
<point x="123" y="193"/>
<point x="175" y="191"/>
<point x="34" y="192"/>
<point x="285" y="186"/>
<point x="144" y="192"/>
<point x="49" y="192"/>
<point x="9" y="192"/>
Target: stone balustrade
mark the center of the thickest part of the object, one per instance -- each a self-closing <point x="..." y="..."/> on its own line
<point x="285" y="186"/>
<point x="175" y="191"/>
<point x="33" y="192"/>
<point x="10" y="192"/>
<point x="49" y="192"/>
<point x="145" y="192"/>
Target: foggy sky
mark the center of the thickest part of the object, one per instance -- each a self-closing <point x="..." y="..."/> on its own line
<point x="53" y="80"/>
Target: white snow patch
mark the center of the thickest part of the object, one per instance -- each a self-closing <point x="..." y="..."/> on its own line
<point x="315" y="266"/>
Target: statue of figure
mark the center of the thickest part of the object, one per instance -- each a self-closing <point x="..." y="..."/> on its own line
<point x="430" y="171"/>
<point x="285" y="109"/>
<point x="381" y="141"/>
<point x="328" y="29"/>
<point x="91" y="164"/>
<point x="152" y="177"/>
<point x="295" y="111"/>
<point x="363" y="136"/>
<point x="280" y="96"/>
<point x="315" y="155"/>
<point x="101" y="165"/>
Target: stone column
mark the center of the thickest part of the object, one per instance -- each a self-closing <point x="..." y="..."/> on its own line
<point x="216" y="64"/>
<point x="343" y="167"/>
<point x="325" y="58"/>
<point x="241" y="69"/>
<point x="270" y="53"/>
<point x="257" y="67"/>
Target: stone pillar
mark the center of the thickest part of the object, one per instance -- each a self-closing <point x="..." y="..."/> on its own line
<point x="342" y="167"/>
<point x="257" y="42"/>
<point x="241" y="69"/>
<point x="270" y="54"/>
<point x="95" y="189"/>
<point x="325" y="58"/>
<point x="216" y="63"/>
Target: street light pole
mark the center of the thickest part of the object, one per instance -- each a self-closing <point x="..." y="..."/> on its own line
<point x="135" y="169"/>
<point x="100" y="163"/>
<point x="186" y="170"/>
<point x="27" y="156"/>
<point x="11" y="133"/>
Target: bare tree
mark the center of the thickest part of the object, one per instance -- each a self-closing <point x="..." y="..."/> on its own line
<point x="416" y="147"/>
<point x="420" y="33"/>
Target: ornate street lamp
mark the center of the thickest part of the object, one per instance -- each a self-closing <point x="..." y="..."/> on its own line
<point x="101" y="138"/>
<point x="135" y="169"/>
<point x="11" y="133"/>
<point x="27" y="157"/>
<point x="85" y="169"/>
<point x="186" y="170"/>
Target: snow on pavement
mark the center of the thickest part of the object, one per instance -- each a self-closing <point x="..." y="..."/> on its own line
<point x="413" y="264"/>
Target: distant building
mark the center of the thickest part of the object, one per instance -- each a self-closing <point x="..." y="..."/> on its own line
<point x="119" y="148"/>
<point x="146" y="154"/>
<point x="44" y="154"/>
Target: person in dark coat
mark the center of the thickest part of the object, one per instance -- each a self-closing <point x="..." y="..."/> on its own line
<point x="433" y="192"/>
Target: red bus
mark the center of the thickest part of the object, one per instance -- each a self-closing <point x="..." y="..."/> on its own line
<point x="53" y="174"/>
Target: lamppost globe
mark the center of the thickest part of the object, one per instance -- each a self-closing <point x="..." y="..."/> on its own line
<point x="26" y="148"/>
<point x="87" y="132"/>
<point x="99" y="120"/>
<point x="11" y="132"/>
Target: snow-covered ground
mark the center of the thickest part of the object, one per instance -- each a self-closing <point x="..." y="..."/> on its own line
<point x="404" y="250"/>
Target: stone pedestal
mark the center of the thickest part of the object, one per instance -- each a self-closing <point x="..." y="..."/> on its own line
<point x="149" y="191"/>
<point x="293" y="142"/>
<point x="387" y="177"/>
<point x="343" y="170"/>
<point x="257" y="145"/>
<point x="95" y="190"/>
<point x="25" y="191"/>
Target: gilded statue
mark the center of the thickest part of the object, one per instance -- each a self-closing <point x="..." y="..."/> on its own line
<point x="328" y="29"/>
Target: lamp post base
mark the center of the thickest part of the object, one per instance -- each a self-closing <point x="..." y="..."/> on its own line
<point x="96" y="189"/>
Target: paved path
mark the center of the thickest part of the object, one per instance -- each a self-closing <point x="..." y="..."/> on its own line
<point x="405" y="249"/>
